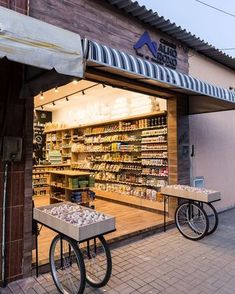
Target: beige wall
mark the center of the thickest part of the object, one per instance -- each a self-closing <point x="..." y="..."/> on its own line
<point x="213" y="134"/>
<point x="210" y="71"/>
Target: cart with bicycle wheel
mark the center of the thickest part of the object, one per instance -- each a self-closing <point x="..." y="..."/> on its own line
<point x="79" y="252"/>
<point x="195" y="216"/>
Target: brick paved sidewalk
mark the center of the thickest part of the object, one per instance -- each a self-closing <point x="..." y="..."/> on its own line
<point x="163" y="263"/>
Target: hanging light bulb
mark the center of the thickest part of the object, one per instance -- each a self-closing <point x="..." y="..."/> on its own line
<point x="75" y="81"/>
<point x="83" y="92"/>
<point x="42" y="107"/>
<point x="67" y="99"/>
<point x="41" y="95"/>
<point x="56" y="89"/>
<point x="53" y="103"/>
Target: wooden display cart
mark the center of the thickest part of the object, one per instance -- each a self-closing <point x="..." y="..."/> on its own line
<point x="195" y="216"/>
<point x="79" y="253"/>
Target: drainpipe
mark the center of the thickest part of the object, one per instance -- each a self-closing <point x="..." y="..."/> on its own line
<point x="3" y="261"/>
<point x="12" y="150"/>
<point x="27" y="12"/>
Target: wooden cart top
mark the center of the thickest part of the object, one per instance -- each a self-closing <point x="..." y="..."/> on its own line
<point x="76" y="232"/>
<point x="71" y="173"/>
<point x="191" y="193"/>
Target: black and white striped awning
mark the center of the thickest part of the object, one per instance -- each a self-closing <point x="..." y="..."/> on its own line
<point x="171" y="79"/>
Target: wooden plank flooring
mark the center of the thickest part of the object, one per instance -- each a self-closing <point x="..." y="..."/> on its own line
<point x="129" y="221"/>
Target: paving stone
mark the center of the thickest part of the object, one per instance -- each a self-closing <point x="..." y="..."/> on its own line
<point x="145" y="289"/>
<point x="127" y="290"/>
<point x="39" y="289"/>
<point x="162" y="263"/>
<point x="6" y="291"/>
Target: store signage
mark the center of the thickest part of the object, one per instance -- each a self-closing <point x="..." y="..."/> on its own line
<point x="164" y="53"/>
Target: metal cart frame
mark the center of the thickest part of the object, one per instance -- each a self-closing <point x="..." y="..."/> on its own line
<point x="194" y="209"/>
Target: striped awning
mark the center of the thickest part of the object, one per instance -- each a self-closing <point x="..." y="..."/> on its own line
<point x="102" y="55"/>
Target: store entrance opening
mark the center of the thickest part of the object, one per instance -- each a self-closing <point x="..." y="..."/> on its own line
<point x="117" y="141"/>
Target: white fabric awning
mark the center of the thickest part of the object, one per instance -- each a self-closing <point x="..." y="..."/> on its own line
<point x="32" y="42"/>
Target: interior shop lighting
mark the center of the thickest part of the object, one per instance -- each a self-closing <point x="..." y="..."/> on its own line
<point x="75" y="81"/>
<point x="42" y="107"/>
<point x="67" y="96"/>
<point x="56" y="90"/>
<point x="41" y="95"/>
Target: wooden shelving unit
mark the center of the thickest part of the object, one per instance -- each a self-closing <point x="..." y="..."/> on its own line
<point x="70" y="185"/>
<point x="41" y="178"/>
<point x="130" y="143"/>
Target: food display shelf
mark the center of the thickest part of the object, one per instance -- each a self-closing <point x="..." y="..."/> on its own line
<point x="123" y="131"/>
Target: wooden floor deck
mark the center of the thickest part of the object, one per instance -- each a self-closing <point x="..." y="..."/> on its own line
<point x="129" y="221"/>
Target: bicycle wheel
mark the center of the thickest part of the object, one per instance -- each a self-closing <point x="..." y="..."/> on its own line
<point x="67" y="266"/>
<point x="212" y="217"/>
<point x="191" y="221"/>
<point x="98" y="261"/>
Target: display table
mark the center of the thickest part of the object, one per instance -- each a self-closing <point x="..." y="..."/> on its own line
<point x="79" y="252"/>
<point x="196" y="217"/>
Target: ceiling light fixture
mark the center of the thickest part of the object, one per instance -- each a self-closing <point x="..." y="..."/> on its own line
<point x="67" y="97"/>
<point x="42" y="106"/>
<point x="75" y="81"/>
<point x="56" y="89"/>
<point x="41" y="95"/>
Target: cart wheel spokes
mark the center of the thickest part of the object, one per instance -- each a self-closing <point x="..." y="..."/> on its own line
<point x="212" y="217"/>
<point x="67" y="266"/>
<point x="191" y="221"/>
<point x="98" y="263"/>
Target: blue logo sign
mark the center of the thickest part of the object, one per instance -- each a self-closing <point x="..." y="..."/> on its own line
<point x="146" y="40"/>
<point x="165" y="53"/>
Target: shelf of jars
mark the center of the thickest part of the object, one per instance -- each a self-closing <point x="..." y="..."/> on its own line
<point x="154" y="162"/>
<point x="112" y="139"/>
<point x="111" y="167"/>
<point x="136" y="147"/>
<point x="157" y="122"/>
<point x="118" y="130"/>
<point x="154" y="181"/>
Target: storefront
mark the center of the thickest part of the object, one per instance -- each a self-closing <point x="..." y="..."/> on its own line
<point x="130" y="130"/>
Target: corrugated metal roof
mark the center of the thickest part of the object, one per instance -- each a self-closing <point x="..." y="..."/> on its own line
<point x="187" y="38"/>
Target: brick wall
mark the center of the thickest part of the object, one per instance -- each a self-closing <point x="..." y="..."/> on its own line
<point x="17" y="5"/>
<point x="101" y="22"/>
<point x="16" y="117"/>
<point x="16" y="120"/>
